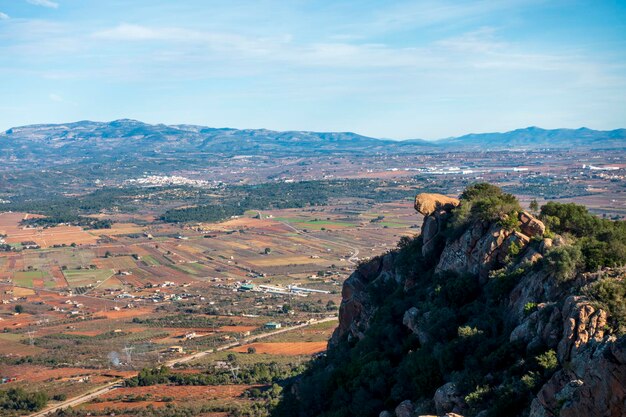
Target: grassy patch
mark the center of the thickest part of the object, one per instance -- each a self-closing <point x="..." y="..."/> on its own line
<point x="150" y="261"/>
<point x="81" y="277"/>
<point x="25" y="278"/>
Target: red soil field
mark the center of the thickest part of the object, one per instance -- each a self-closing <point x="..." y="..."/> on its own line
<point x="9" y="225"/>
<point x="125" y="313"/>
<point x="35" y="373"/>
<point x="183" y="392"/>
<point x="59" y="278"/>
<point x="179" y="393"/>
<point x="285" y="348"/>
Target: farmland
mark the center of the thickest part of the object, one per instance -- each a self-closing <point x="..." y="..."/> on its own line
<point x="87" y="312"/>
<point x="86" y="308"/>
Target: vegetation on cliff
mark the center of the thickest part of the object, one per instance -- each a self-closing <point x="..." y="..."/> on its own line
<point x="419" y="326"/>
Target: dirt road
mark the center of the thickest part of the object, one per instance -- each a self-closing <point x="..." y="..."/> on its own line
<point x="117" y="384"/>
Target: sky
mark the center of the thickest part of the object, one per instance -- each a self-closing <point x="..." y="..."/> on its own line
<point x="388" y="69"/>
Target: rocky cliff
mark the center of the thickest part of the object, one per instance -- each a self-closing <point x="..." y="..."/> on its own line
<point x="476" y="316"/>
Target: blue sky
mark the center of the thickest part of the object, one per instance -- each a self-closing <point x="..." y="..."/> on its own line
<point x="396" y="69"/>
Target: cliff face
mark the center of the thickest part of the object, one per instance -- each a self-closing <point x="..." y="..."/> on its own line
<point x="539" y="312"/>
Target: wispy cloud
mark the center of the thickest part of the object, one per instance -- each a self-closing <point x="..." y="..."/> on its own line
<point x="215" y="40"/>
<point x="4" y="16"/>
<point x="44" y="3"/>
<point x="391" y="66"/>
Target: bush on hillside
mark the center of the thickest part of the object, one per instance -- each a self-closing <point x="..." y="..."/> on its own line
<point x="487" y="203"/>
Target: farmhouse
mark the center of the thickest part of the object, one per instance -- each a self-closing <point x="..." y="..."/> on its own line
<point x="273" y="325"/>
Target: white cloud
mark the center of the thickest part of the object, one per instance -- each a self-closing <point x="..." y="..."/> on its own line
<point x="44" y="3"/>
<point x="56" y="98"/>
<point x="4" y="16"/>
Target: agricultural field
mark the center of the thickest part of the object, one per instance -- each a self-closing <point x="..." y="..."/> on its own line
<point x="135" y="296"/>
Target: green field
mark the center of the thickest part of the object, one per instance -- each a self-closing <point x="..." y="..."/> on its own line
<point x="12" y="337"/>
<point x="320" y="224"/>
<point x="187" y="269"/>
<point x="25" y="278"/>
<point x="82" y="277"/>
<point x="150" y="261"/>
<point x="392" y="224"/>
<point x="249" y="358"/>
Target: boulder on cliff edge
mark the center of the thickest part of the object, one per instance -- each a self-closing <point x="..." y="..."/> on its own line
<point x="428" y="203"/>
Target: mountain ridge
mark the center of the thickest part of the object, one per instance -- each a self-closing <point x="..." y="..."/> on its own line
<point x="529" y="137"/>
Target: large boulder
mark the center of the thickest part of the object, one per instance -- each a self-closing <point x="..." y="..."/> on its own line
<point x="448" y="399"/>
<point x="530" y="225"/>
<point x="583" y="323"/>
<point x="405" y="409"/>
<point x="428" y="203"/>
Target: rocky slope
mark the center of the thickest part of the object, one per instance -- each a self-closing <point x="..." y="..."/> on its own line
<point x="555" y="354"/>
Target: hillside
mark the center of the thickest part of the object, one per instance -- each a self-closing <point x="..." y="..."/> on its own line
<point x="87" y="139"/>
<point x="95" y="142"/>
<point x="535" y="137"/>
<point x="490" y="311"/>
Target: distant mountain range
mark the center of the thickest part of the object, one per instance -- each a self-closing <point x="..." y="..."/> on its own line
<point x="535" y="137"/>
<point x="87" y="140"/>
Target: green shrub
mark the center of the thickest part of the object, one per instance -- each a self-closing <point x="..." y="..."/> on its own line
<point x="487" y="203"/>
<point x="17" y="399"/>
<point x="529" y="308"/>
<point x="548" y="362"/>
<point x="563" y="262"/>
<point x="610" y="293"/>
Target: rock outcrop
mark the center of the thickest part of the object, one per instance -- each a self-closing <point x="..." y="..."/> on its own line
<point x="448" y="399"/>
<point x="356" y="309"/>
<point x="531" y="226"/>
<point x="593" y="384"/>
<point x="411" y="320"/>
<point x="583" y="323"/>
<point x="539" y="312"/>
<point x="428" y="203"/>
<point x="485" y="246"/>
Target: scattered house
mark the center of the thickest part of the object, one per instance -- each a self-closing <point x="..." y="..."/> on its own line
<point x="222" y="365"/>
<point x="272" y="325"/>
<point x="6" y="380"/>
<point x="30" y="245"/>
<point x="190" y="335"/>
<point x="246" y="287"/>
<point x="176" y="349"/>
<point x="125" y="295"/>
